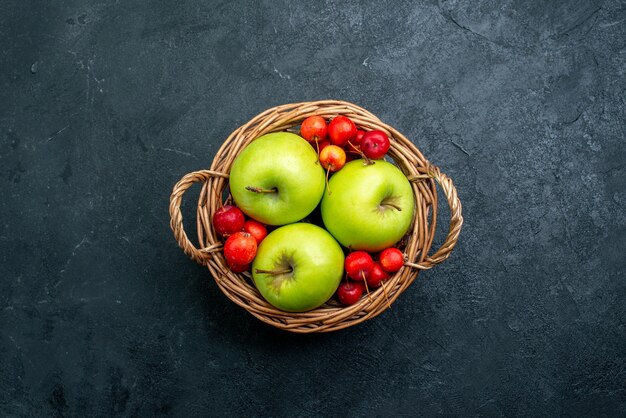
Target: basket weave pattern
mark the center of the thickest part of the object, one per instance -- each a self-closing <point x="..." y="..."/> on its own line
<point x="331" y="316"/>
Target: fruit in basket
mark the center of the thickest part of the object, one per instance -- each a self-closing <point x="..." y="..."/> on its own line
<point x="375" y="144"/>
<point x="240" y="249"/>
<point x="298" y="267"/>
<point x="276" y="179"/>
<point x="227" y="220"/>
<point x="332" y="158"/>
<point x="256" y="229"/>
<point x="314" y="129"/>
<point x="349" y="293"/>
<point x="358" y="138"/>
<point x="376" y="276"/>
<point x="239" y="268"/>
<point x="323" y="144"/>
<point x="371" y="206"/>
<point x="341" y="130"/>
<point x="358" y="265"/>
<point x="391" y="259"/>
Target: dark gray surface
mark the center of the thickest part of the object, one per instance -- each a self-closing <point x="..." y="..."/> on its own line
<point x="105" y="105"/>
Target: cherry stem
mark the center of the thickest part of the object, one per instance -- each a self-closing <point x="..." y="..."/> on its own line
<point x="261" y="190"/>
<point x="365" y="157"/>
<point x="367" y="289"/>
<point x="275" y="272"/>
<point x="385" y="292"/>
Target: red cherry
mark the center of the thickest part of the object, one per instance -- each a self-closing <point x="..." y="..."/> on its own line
<point x="227" y="220"/>
<point x="239" y="268"/>
<point x="358" y="264"/>
<point x="256" y="229"/>
<point x="376" y="276"/>
<point x="240" y="248"/>
<point x="375" y="144"/>
<point x="358" y="138"/>
<point x="349" y="293"/>
<point x="332" y="158"/>
<point x="314" y="128"/>
<point x="391" y="259"/>
<point x="320" y="145"/>
<point x="341" y="130"/>
<point x="323" y="144"/>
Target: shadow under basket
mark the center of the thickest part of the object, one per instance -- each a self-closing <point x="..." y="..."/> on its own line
<point x="332" y="316"/>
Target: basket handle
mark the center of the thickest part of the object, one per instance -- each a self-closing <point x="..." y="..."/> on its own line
<point x="456" y="221"/>
<point x="203" y="255"/>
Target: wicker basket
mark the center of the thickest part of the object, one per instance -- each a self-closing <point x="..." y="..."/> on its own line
<point x="331" y="316"/>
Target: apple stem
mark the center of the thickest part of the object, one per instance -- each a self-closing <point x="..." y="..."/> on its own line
<point x="367" y="289"/>
<point x="261" y="190"/>
<point x="275" y="272"/>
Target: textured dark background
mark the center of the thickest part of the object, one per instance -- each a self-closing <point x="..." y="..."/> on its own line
<point x="104" y="105"/>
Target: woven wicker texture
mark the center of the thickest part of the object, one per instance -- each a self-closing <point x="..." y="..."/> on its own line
<point x="416" y="246"/>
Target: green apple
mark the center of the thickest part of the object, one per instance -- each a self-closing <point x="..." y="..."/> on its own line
<point x="298" y="267"/>
<point x="368" y="207"/>
<point x="277" y="179"/>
